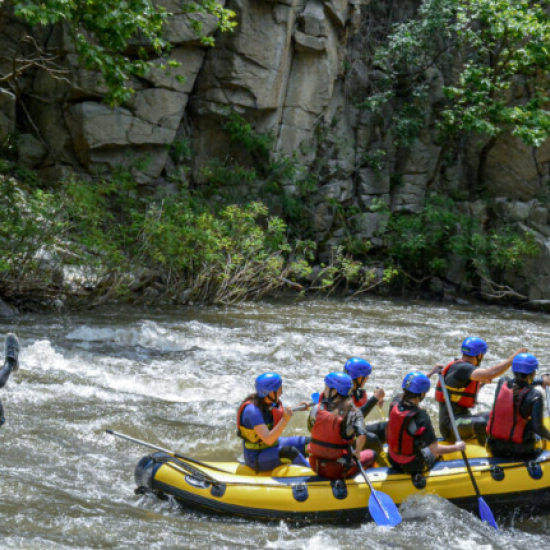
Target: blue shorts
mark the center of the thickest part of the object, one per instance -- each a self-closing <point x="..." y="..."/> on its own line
<point x="265" y="460"/>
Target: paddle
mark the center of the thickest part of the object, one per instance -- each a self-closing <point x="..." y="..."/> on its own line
<point x="156" y="448"/>
<point x="484" y="511"/>
<point x="381" y="507"/>
<point x="312" y="403"/>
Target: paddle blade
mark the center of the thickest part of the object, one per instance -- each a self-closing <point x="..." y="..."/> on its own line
<point x="485" y="513"/>
<point x="383" y="510"/>
<point x="315" y="397"/>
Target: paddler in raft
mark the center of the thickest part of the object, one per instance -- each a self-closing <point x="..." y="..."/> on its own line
<point x="463" y="378"/>
<point x="11" y="364"/>
<point x="412" y="444"/>
<point x="336" y="424"/>
<point x="516" y="420"/>
<point x="261" y="419"/>
<point x="359" y="370"/>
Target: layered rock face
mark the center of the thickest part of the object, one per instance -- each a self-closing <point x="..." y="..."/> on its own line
<point x="295" y="68"/>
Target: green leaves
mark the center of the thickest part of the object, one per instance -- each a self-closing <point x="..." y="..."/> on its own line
<point x="106" y="33"/>
<point x="495" y="48"/>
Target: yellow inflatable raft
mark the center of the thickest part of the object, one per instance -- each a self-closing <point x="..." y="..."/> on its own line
<point x="297" y="494"/>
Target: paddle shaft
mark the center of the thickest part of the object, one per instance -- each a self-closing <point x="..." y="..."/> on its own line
<point x="156" y="448"/>
<point x="455" y="430"/>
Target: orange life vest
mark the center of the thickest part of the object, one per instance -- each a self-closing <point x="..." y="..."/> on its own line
<point x="362" y="400"/>
<point x="462" y="397"/>
<point x="251" y="439"/>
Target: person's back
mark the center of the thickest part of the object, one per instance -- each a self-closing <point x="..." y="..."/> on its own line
<point x="463" y="378"/>
<point x="11" y="364"/>
<point x="412" y="443"/>
<point x="516" y="419"/>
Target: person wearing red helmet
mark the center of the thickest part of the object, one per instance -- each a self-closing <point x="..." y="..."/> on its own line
<point x="412" y="443"/>
<point x="516" y="419"/>
<point x="261" y="419"/>
<point x="463" y="378"/>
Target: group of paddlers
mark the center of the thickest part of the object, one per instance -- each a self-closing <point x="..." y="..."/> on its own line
<point x="340" y="437"/>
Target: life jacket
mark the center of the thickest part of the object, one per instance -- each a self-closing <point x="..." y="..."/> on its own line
<point x="359" y="397"/>
<point x="326" y="440"/>
<point x="251" y="439"/>
<point x="400" y="442"/>
<point x="461" y="396"/>
<point x="505" y="420"/>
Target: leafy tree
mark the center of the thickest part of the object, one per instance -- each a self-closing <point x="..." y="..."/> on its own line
<point x="498" y="79"/>
<point x="118" y="38"/>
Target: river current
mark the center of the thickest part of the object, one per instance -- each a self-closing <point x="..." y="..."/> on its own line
<point x="174" y="377"/>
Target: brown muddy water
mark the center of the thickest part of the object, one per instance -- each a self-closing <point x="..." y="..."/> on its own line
<point x="174" y="377"/>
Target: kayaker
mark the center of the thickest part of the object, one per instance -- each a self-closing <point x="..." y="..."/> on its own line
<point x="412" y="443"/>
<point x="336" y="424"/>
<point x="261" y="419"/>
<point x="463" y="378"/>
<point x="11" y="364"/>
<point x="516" y="420"/>
<point x="359" y="371"/>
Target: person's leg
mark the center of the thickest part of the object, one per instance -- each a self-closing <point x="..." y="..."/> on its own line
<point x="373" y="443"/>
<point x="379" y="430"/>
<point x="293" y="449"/>
<point x="480" y="427"/>
<point x="466" y="427"/>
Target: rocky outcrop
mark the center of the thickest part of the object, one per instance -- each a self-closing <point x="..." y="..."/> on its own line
<point x="296" y="69"/>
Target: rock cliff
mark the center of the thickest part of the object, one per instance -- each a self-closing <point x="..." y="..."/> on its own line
<point x="296" y="69"/>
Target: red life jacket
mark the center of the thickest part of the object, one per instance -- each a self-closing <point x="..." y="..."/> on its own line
<point x="359" y="402"/>
<point x="505" y="421"/>
<point x="326" y="440"/>
<point x="400" y="441"/>
<point x="251" y="439"/>
<point x="462" y="397"/>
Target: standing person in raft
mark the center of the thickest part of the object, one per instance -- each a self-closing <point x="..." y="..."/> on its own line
<point x="261" y="420"/>
<point x="516" y="421"/>
<point x="412" y="443"/>
<point x="11" y="364"/>
<point x="463" y="378"/>
<point x="336" y="424"/>
<point x="359" y="371"/>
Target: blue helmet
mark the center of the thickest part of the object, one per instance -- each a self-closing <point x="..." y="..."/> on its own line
<point x="268" y="382"/>
<point x="357" y="367"/>
<point x="473" y="346"/>
<point x="340" y="382"/>
<point x="525" y="363"/>
<point x="416" y="382"/>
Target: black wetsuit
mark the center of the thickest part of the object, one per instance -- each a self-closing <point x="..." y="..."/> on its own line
<point x="5" y="372"/>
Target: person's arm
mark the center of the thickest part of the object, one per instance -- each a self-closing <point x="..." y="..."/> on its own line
<point x="269" y="437"/>
<point x="486" y="375"/>
<point x="369" y="405"/>
<point x="438" y="449"/>
<point x="538" y="423"/>
<point x="2" y="418"/>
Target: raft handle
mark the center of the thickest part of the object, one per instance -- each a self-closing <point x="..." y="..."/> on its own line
<point x="419" y="481"/>
<point x="534" y="469"/>
<point x="497" y="473"/>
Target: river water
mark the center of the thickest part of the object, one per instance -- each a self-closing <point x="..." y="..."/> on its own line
<point x="175" y="378"/>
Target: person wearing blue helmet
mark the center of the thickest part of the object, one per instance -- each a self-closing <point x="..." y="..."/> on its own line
<point x="516" y="419"/>
<point x="359" y="371"/>
<point x="463" y="378"/>
<point x="412" y="444"/>
<point x="11" y="364"/>
<point x="336" y="426"/>
<point x="261" y="419"/>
